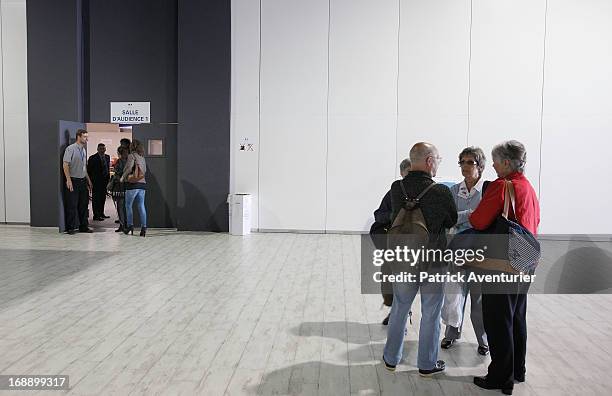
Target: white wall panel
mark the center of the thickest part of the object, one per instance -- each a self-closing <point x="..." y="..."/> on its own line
<point x="577" y="124"/>
<point x="506" y="77"/>
<point x="15" y="94"/>
<point x="433" y="78"/>
<point x="2" y="161"/>
<point x="245" y="101"/>
<point x="362" y="110"/>
<point x="293" y="103"/>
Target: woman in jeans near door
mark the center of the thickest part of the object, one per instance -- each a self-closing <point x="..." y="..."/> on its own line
<point x="134" y="176"/>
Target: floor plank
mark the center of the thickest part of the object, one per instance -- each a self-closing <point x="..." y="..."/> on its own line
<point x="200" y="313"/>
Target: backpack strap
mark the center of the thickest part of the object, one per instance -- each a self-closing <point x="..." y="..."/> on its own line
<point x="425" y="191"/>
<point x="407" y="198"/>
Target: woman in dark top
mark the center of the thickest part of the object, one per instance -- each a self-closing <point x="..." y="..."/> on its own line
<point x="134" y="176"/>
<point x="118" y="188"/>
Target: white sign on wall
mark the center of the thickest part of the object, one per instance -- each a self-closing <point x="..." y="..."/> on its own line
<point x="130" y="112"/>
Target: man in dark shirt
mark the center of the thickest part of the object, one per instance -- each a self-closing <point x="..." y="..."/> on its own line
<point x="98" y="168"/>
<point x="440" y="213"/>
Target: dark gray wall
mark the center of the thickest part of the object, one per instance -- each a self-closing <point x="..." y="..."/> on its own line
<point x="53" y="94"/>
<point x="204" y="44"/>
<point x="173" y="53"/>
<point x="132" y="56"/>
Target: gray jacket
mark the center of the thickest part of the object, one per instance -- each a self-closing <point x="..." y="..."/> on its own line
<point x="134" y="159"/>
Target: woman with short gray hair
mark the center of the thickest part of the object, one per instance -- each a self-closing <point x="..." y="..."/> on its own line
<point x="504" y="315"/>
<point x="467" y="195"/>
<point x="514" y="152"/>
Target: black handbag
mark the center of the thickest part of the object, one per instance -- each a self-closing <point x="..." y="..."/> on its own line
<point x="116" y="188"/>
<point x="510" y="246"/>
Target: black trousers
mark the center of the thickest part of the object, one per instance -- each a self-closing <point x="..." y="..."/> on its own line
<point x="505" y="322"/>
<point x="98" y="198"/>
<point x="386" y="288"/>
<point x="120" y="203"/>
<point x="77" y="203"/>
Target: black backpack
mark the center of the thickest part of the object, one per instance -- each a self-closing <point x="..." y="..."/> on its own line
<point x="409" y="227"/>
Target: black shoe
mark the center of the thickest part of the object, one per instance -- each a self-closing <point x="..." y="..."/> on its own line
<point x="71" y="232"/>
<point x="117" y="222"/>
<point x="440" y="366"/>
<point x="484" y="384"/>
<point x="129" y="229"/>
<point x="483" y="350"/>
<point x="120" y="229"/>
<point x="446" y="343"/>
<point x="105" y="216"/>
<point x="385" y="321"/>
<point x="390" y="367"/>
<point x="98" y="219"/>
<point x="86" y="230"/>
<point x="143" y="231"/>
<point x="519" y="378"/>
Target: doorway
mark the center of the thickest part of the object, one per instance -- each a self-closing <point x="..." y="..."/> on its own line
<point x="110" y="135"/>
<point x="160" y="145"/>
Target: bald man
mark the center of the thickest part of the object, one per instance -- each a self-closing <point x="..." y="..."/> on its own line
<point x="440" y="213"/>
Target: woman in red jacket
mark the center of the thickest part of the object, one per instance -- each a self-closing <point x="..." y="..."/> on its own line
<point x="504" y="315"/>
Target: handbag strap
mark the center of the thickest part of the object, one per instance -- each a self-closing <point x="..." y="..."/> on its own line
<point x="509" y="198"/>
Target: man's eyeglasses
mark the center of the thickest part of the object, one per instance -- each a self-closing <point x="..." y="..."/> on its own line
<point x="467" y="162"/>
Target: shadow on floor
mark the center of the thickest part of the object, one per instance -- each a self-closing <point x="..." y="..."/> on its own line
<point x="334" y="379"/>
<point x="26" y="271"/>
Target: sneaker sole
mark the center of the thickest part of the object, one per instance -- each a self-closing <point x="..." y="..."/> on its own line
<point x="387" y="367"/>
<point x="430" y="374"/>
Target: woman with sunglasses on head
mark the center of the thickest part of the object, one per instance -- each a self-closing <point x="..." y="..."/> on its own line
<point x="467" y="196"/>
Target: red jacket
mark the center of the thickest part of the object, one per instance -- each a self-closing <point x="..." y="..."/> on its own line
<point x="492" y="204"/>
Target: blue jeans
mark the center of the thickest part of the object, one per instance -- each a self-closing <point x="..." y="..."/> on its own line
<point x="432" y="295"/>
<point x="138" y="196"/>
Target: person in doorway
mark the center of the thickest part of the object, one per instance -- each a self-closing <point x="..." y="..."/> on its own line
<point x="125" y="142"/>
<point x="134" y="176"/>
<point x="98" y="168"/>
<point x="78" y="184"/>
<point x="119" y="187"/>
<point x="467" y="196"/>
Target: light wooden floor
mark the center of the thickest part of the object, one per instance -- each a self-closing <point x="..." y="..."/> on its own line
<point x="195" y="313"/>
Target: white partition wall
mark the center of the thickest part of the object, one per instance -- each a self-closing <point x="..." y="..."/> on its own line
<point x="577" y="125"/>
<point x="333" y="93"/>
<point x="293" y="114"/>
<point x="15" y="112"/>
<point x="433" y="78"/>
<point x="507" y="48"/>
<point x="362" y="109"/>
<point x="244" y="172"/>
<point x="2" y="160"/>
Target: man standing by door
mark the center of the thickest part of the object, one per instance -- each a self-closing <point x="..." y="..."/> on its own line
<point x="77" y="184"/>
<point x="98" y="167"/>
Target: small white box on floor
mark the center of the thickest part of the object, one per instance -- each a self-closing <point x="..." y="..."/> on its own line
<point x="240" y="214"/>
